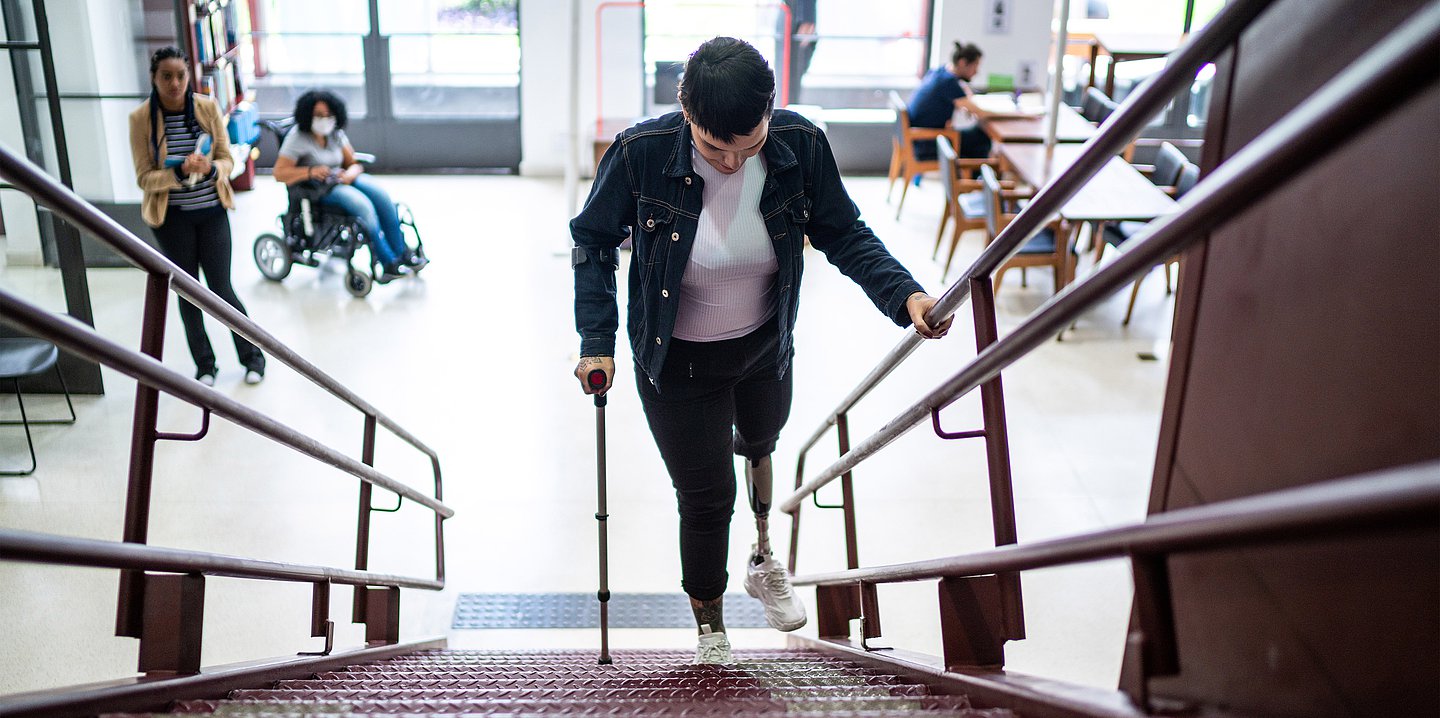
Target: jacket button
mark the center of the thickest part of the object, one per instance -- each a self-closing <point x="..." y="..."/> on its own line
<point x="657" y="340"/>
<point x="674" y="236"/>
<point x="650" y="223"/>
<point x="687" y="180"/>
<point x="665" y="293"/>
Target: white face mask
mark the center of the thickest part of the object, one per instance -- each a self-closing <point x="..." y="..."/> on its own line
<point x="323" y="125"/>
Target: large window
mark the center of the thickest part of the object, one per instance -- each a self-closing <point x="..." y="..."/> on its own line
<point x="1160" y="23"/>
<point x="855" y="51"/>
<point x="443" y="58"/>
<point x="453" y="58"/>
<point x="300" y="45"/>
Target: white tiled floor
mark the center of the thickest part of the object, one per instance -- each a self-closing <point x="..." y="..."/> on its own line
<point x="475" y="360"/>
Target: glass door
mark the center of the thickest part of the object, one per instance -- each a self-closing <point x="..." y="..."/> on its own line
<point x="451" y="86"/>
<point x="429" y="84"/>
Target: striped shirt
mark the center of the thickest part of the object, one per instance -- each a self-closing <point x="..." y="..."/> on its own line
<point x="180" y="143"/>
<point x="729" y="286"/>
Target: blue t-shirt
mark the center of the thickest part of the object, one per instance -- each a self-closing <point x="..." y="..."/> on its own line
<point x="933" y="103"/>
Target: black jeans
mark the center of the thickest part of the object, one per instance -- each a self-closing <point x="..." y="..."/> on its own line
<point x="195" y="240"/>
<point x="715" y="400"/>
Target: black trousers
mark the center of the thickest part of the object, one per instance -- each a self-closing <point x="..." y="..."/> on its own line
<point x="198" y="240"/>
<point x="715" y="400"/>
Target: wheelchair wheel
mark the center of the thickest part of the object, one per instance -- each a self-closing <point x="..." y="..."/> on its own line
<point x="272" y="256"/>
<point x="358" y="283"/>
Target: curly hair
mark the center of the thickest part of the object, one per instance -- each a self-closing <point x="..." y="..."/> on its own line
<point x="305" y="108"/>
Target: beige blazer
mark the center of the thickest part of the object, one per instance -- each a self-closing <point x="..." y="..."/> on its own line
<point x="155" y="178"/>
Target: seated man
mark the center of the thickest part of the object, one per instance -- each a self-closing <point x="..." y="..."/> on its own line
<point x="944" y="90"/>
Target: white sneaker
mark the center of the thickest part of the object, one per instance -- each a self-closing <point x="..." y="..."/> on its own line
<point x="770" y="582"/>
<point x="253" y="377"/>
<point x="208" y="379"/>
<point x="713" y="648"/>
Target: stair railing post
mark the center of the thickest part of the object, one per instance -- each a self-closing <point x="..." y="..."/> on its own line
<point x="174" y="618"/>
<point x="362" y="530"/>
<point x="847" y="494"/>
<point x="130" y="605"/>
<point x="997" y="456"/>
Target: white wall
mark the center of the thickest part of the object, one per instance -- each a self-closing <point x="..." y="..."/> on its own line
<point x="21" y="243"/>
<point x="545" y="76"/>
<point x="94" y="54"/>
<point x="1028" y="38"/>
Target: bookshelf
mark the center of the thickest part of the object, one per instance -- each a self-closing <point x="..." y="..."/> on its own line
<point x="216" y="33"/>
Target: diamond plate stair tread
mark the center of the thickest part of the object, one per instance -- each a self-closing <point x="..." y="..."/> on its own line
<point x="634" y="681"/>
<point x="895" y="705"/>
<point x="677" y="710"/>
<point x="582" y="693"/>
<point x="516" y="684"/>
<point x="581" y="610"/>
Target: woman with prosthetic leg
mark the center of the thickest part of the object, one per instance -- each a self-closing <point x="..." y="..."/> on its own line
<point x="718" y="200"/>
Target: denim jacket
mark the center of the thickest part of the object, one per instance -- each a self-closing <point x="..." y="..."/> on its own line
<point x="645" y="187"/>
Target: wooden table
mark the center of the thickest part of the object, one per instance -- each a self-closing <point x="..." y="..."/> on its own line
<point x="605" y="136"/>
<point x="1070" y="127"/>
<point x="1118" y="192"/>
<point x="1126" y="46"/>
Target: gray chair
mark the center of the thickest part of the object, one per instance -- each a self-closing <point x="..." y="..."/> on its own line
<point x="25" y="356"/>
<point x="1170" y="162"/>
<point x="1096" y="107"/>
<point x="1118" y="233"/>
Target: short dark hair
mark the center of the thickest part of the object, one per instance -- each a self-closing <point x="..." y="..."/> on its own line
<point x="728" y="88"/>
<point x="968" y="51"/>
<point x="169" y="52"/>
<point x="305" y="108"/>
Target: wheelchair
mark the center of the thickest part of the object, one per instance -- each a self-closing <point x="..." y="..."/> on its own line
<point x="312" y="233"/>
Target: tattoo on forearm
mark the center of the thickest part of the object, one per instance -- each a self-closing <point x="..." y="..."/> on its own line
<point x="709" y="613"/>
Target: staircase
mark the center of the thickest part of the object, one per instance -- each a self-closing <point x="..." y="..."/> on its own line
<point x="639" y="683"/>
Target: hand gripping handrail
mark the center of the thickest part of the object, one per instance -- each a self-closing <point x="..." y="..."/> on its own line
<point x="1384" y="78"/>
<point x="45" y="190"/>
<point x="1128" y="121"/>
<point x="84" y="341"/>
<point x="1378" y="499"/>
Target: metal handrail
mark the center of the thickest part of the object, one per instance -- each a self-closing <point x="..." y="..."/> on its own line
<point x="1362" y="94"/>
<point x="80" y="339"/>
<point x="34" y="547"/>
<point x="1128" y="121"/>
<point x="45" y="190"/>
<point x="1378" y="499"/>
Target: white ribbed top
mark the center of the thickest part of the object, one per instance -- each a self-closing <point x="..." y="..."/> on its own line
<point x="729" y="285"/>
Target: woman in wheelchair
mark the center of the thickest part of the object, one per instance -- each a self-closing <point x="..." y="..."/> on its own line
<point x="318" y="151"/>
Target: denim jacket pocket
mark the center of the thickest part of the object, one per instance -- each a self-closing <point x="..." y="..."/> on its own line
<point x="799" y="210"/>
<point x="654" y="227"/>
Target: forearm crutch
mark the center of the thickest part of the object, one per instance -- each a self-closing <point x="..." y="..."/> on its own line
<point x="596" y="379"/>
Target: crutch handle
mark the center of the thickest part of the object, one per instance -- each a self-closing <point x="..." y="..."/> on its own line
<point x="596" y="380"/>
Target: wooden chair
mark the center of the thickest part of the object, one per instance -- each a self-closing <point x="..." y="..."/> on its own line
<point x="903" y="164"/>
<point x="1045" y="249"/>
<point x="963" y="201"/>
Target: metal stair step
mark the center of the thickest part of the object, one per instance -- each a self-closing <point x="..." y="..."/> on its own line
<point x="580" y="693"/>
<point x="867" y="706"/>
